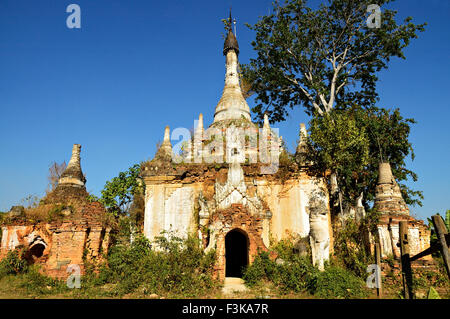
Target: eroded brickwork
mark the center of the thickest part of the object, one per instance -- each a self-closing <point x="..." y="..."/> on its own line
<point x="236" y="217"/>
<point x="65" y="229"/>
<point x="390" y="203"/>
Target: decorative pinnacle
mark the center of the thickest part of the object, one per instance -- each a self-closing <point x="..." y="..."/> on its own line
<point x="72" y="175"/>
<point x="266" y="125"/>
<point x="303" y="133"/>
<point x="230" y="42"/>
<point x="200" y="124"/>
<point x="167" y="135"/>
<point x="166" y="146"/>
<point x="384" y="173"/>
<point x="231" y="22"/>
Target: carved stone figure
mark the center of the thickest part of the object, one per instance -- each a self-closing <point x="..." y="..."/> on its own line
<point x="319" y="233"/>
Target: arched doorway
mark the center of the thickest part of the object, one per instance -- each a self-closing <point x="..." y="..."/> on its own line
<point x="236" y="253"/>
<point x="37" y="250"/>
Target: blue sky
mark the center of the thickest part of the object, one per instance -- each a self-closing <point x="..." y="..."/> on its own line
<point x="136" y="66"/>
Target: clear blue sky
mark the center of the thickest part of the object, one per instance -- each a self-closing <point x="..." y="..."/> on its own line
<point x="136" y="66"/>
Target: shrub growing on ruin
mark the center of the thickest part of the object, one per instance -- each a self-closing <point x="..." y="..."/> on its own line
<point x="336" y="282"/>
<point x="351" y="245"/>
<point x="38" y="283"/>
<point x="169" y="265"/>
<point x="291" y="272"/>
<point x="13" y="263"/>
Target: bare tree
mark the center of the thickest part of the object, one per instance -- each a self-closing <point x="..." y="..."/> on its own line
<point x="54" y="174"/>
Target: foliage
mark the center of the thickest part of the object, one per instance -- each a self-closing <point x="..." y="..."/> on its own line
<point x="56" y="212"/>
<point x="352" y="142"/>
<point x="30" y="201"/>
<point x="261" y="268"/>
<point x="433" y="294"/>
<point x="351" y="245"/>
<point x="324" y="57"/>
<point x="37" y="283"/>
<point x="292" y="272"/>
<point x="336" y="282"/>
<point x="13" y="263"/>
<point x="342" y="146"/>
<point x="170" y="265"/>
<point x="388" y="134"/>
<point x="118" y="193"/>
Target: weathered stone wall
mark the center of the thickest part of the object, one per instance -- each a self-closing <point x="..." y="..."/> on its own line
<point x="388" y="231"/>
<point x="390" y="203"/>
<point x="65" y="244"/>
<point x="235" y="217"/>
<point x="169" y="207"/>
<point x="282" y="208"/>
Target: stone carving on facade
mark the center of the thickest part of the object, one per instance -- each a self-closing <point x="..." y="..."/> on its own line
<point x="234" y="191"/>
<point x="319" y="230"/>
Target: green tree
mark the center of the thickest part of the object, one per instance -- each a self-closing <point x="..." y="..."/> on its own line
<point x="351" y="143"/>
<point x="327" y="59"/>
<point x="118" y="193"/>
<point x="322" y="58"/>
<point x="340" y="145"/>
<point x="388" y="134"/>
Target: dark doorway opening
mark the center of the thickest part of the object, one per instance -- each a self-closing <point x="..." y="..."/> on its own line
<point x="37" y="250"/>
<point x="236" y="253"/>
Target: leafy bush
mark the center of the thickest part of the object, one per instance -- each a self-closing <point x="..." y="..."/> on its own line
<point x="294" y="273"/>
<point x="261" y="268"/>
<point x="337" y="282"/>
<point x="351" y="244"/>
<point x="170" y="265"/>
<point x="37" y="283"/>
<point x="13" y="263"/>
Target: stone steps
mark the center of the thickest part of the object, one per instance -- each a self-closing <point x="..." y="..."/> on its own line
<point x="233" y="285"/>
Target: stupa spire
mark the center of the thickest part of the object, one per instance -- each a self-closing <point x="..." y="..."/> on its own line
<point x="166" y="147"/>
<point x="266" y="125"/>
<point x="199" y="129"/>
<point x="72" y="175"/>
<point x="232" y="104"/>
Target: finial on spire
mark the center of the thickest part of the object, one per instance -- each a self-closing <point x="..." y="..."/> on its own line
<point x="266" y="125"/>
<point x="199" y="129"/>
<point x="167" y="134"/>
<point x="302" y="147"/>
<point x="166" y="146"/>
<point x="303" y="133"/>
<point x="230" y="42"/>
<point x="231" y="22"/>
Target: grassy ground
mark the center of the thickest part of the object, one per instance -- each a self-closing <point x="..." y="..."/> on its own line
<point x="17" y="287"/>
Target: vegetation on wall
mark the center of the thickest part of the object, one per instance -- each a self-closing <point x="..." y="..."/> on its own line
<point x="118" y="193"/>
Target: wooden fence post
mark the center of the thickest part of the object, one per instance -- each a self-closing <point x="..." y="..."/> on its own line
<point x="441" y="231"/>
<point x="378" y="261"/>
<point x="405" y="262"/>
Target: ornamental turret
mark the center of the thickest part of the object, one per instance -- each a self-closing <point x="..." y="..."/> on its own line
<point x="232" y="104"/>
